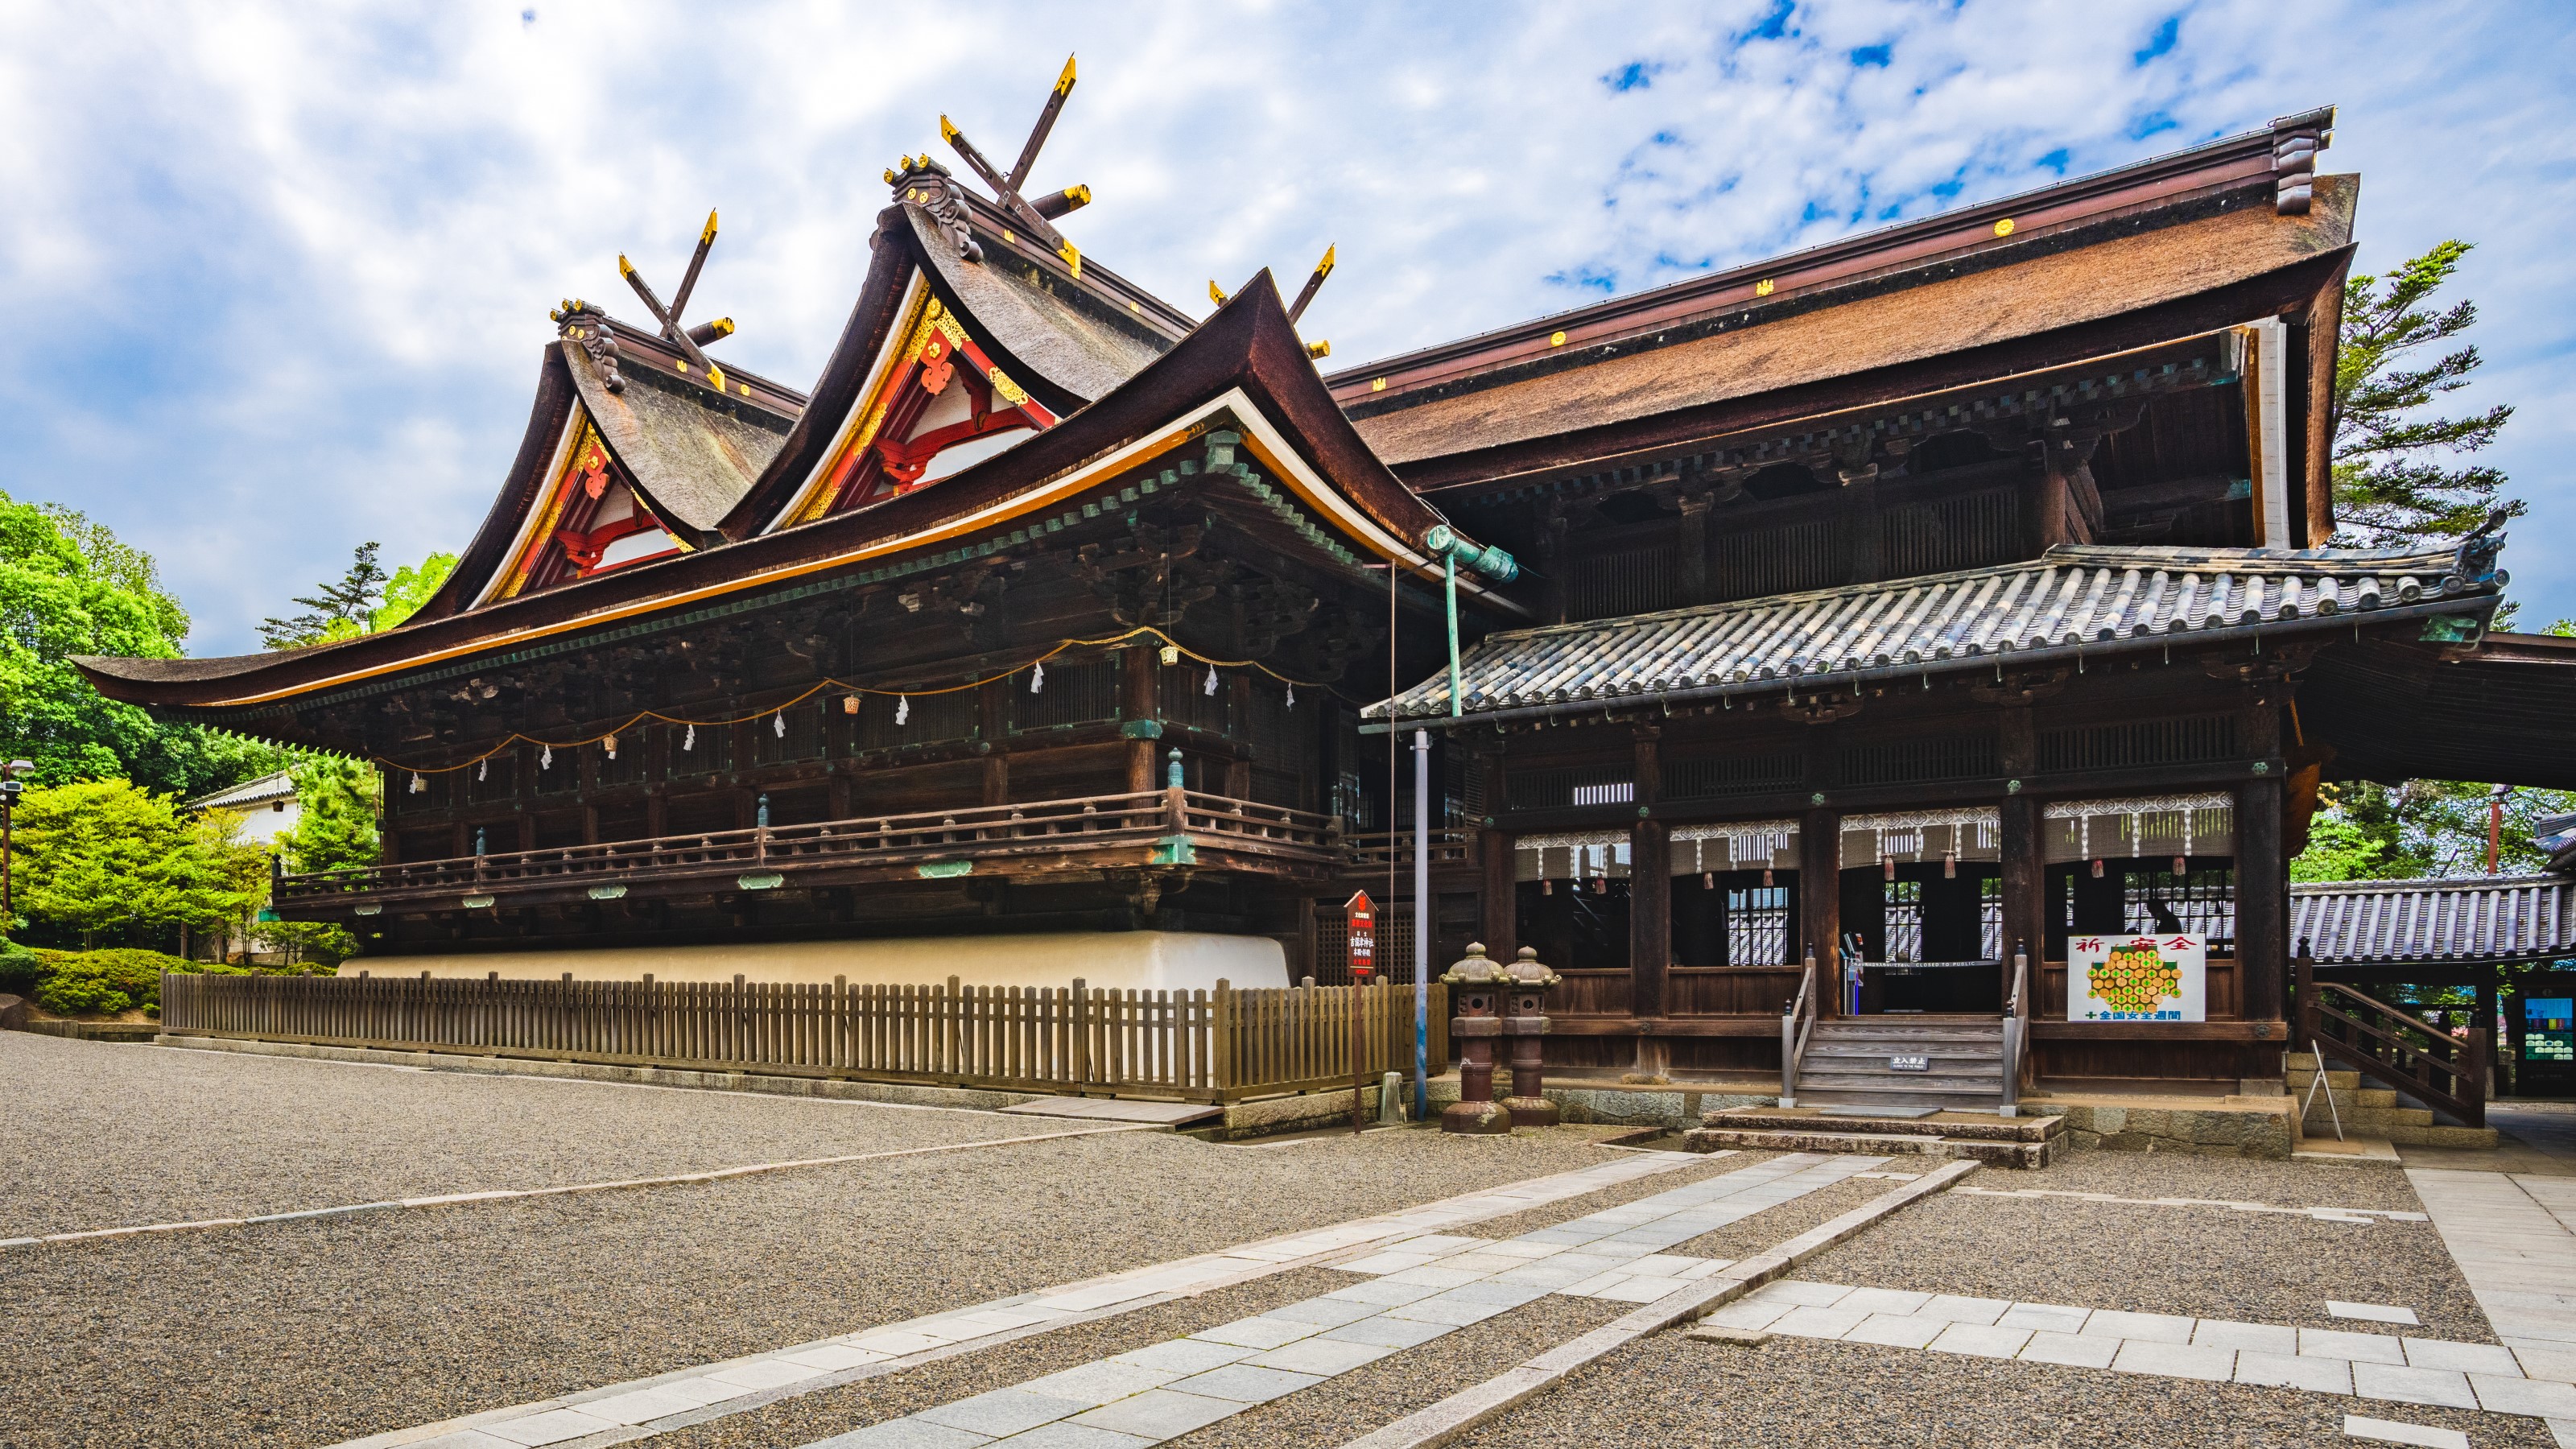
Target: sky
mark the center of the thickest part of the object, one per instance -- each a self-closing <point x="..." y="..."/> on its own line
<point x="279" y="273"/>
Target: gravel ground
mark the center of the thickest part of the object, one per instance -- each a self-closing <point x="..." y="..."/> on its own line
<point x="1626" y="1192"/>
<point x="809" y="1417"/>
<point x="313" y="1332"/>
<point x="2238" y="1179"/>
<point x="2207" y="1262"/>
<point x="1773" y="1226"/>
<point x="1367" y="1398"/>
<point x="135" y="1134"/>
<point x="1674" y="1391"/>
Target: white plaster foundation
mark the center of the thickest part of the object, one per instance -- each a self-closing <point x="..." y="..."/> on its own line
<point x="1124" y="960"/>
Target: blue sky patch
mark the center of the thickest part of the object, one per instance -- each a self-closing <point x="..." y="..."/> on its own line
<point x="1636" y="75"/>
<point x="2162" y="42"/>
<point x="1869" y="55"/>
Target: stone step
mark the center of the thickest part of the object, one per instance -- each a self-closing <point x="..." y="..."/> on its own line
<point x="1876" y="1144"/>
<point x="1999" y="1129"/>
<point x="2336" y="1081"/>
<point x="1904" y="1083"/>
<point x="1937" y="1050"/>
<point x="1865" y="1030"/>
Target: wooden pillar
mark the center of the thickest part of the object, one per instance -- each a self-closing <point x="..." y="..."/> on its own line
<point x="1692" y="534"/>
<point x="1138" y="702"/>
<point x="1499" y="897"/>
<point x="1860" y="507"/>
<point x="2025" y="866"/>
<point x="1650" y="916"/>
<point x="1650" y="885"/>
<point x="993" y="726"/>
<point x="1820" y="903"/>
<point x="2262" y="899"/>
<point x="2043" y="498"/>
<point x="1551" y="553"/>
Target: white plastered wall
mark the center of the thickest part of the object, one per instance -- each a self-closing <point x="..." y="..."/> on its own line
<point x="1125" y="960"/>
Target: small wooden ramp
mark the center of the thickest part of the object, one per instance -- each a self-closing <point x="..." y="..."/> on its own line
<point x="1114" y="1109"/>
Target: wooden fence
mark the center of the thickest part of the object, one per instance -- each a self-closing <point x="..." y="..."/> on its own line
<point x="1200" y="1046"/>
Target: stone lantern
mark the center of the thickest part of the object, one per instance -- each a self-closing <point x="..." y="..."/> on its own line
<point x="1476" y="986"/>
<point x="1522" y="997"/>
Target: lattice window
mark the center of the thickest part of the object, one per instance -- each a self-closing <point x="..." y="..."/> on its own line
<point x="801" y="739"/>
<point x="1394" y="945"/>
<point x="926" y="719"/>
<point x="1722" y="775"/>
<point x="1578" y="785"/>
<point x="1186" y="699"/>
<point x="2201" y="901"/>
<point x="1757" y="926"/>
<point x="1969" y="530"/>
<point x="1779" y="560"/>
<point x="1936" y="757"/>
<point x="1071" y="694"/>
<point x="696" y="751"/>
<point x="1631" y="581"/>
<point x="494" y="779"/>
<point x="2182" y="740"/>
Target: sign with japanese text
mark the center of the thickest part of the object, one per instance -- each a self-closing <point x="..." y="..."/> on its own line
<point x="2137" y="978"/>
<point x="1363" y="915"/>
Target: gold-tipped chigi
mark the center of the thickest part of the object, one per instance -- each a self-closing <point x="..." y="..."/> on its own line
<point x="1313" y="285"/>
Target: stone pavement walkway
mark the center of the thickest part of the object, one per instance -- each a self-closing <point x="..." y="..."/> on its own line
<point x="1422" y="1288"/>
<point x="618" y="1412"/>
<point x="2391" y="1368"/>
<point x="2514" y="1237"/>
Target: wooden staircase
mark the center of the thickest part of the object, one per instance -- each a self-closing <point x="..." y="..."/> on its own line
<point x="1849" y="1061"/>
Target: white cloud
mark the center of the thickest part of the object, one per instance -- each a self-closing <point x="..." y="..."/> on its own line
<point x="283" y="272"/>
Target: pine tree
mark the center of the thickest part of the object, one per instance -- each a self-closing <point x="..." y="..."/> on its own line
<point x="340" y="609"/>
<point x="2397" y="478"/>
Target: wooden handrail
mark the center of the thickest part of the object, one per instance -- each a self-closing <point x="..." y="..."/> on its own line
<point x="1079" y="823"/>
<point x="2377" y="1051"/>
<point x="1797" y="1023"/>
<point x="2016" y="1029"/>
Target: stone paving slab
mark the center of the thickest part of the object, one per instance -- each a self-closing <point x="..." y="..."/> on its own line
<point x="891" y="1347"/>
<point x="1176" y="1387"/>
<point x="2384" y="1367"/>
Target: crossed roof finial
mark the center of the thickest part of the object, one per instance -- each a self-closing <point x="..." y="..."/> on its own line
<point x="689" y="340"/>
<point x="1038" y="215"/>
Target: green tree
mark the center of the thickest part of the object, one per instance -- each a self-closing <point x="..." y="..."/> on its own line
<point x="2398" y="480"/>
<point x="337" y="800"/>
<point x="363" y="600"/>
<point x="69" y="587"/>
<point x="341" y="608"/>
<point x="99" y="856"/>
<point x="411" y="587"/>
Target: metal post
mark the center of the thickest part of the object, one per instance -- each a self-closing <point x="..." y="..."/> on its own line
<point x="1456" y="707"/>
<point x="10" y="788"/>
<point x="1423" y="918"/>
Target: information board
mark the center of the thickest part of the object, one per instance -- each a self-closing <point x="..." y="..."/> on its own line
<point x="2137" y="978"/>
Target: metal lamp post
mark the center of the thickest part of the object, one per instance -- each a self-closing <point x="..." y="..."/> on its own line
<point x="11" y="787"/>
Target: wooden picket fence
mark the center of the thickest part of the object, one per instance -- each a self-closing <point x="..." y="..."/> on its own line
<point x="1199" y="1046"/>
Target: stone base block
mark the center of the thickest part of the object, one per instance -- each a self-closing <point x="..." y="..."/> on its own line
<point x="1478" y="1119"/>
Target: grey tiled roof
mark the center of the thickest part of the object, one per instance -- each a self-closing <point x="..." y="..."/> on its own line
<point x="279" y="786"/>
<point x="2074" y="598"/>
<point x="2477" y="919"/>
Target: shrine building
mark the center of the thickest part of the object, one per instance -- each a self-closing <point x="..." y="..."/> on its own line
<point x="1957" y="591"/>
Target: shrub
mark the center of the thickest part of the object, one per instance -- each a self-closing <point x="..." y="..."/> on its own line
<point x="20" y="969"/>
<point x="105" y="981"/>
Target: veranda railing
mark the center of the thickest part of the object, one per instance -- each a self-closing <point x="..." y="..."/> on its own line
<point x="1206" y="1046"/>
